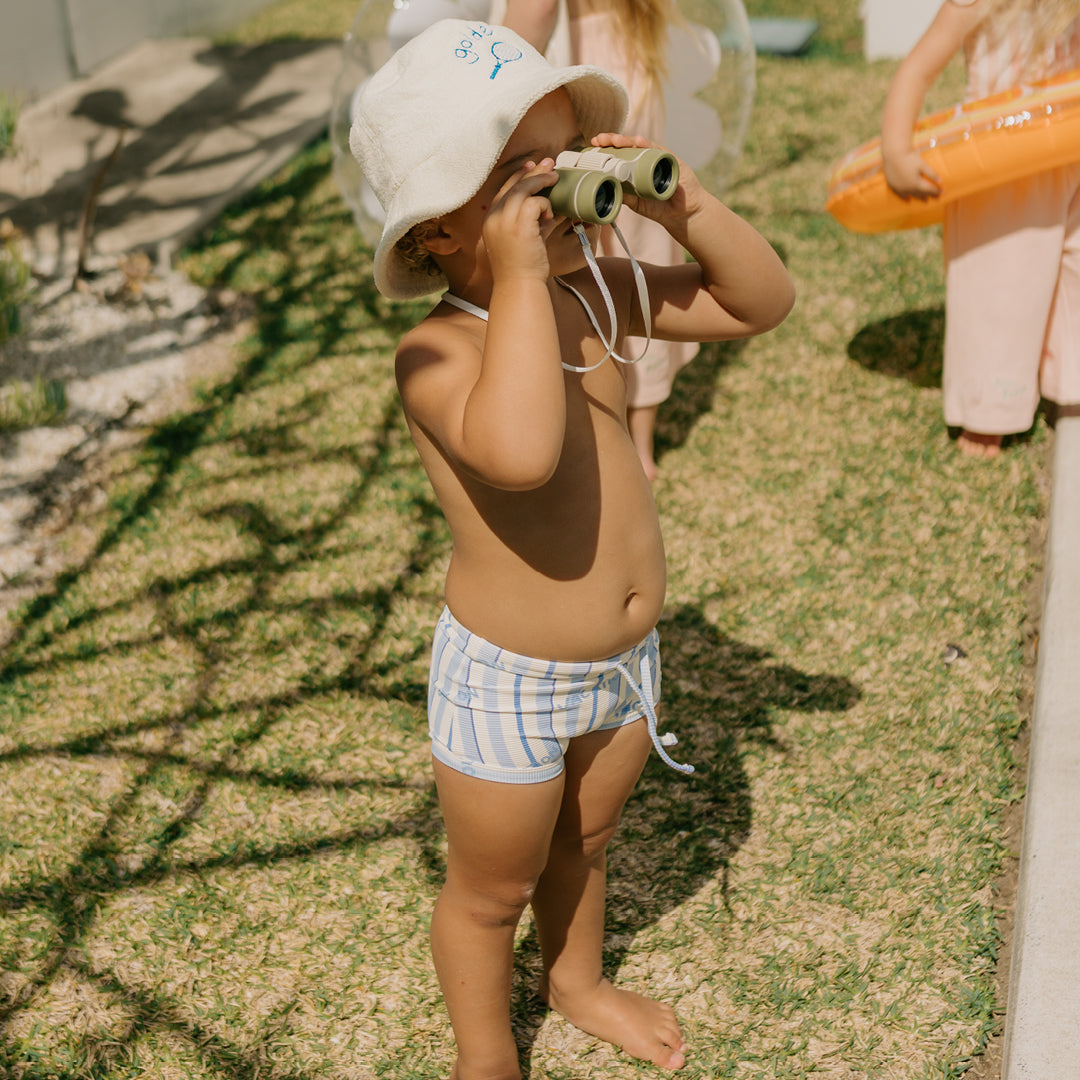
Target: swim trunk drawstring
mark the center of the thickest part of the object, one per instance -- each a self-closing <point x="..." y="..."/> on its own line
<point x="645" y="694"/>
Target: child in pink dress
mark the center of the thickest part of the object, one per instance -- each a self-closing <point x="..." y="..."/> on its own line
<point x="1012" y="252"/>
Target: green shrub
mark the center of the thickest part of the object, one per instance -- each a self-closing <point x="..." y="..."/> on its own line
<point x="9" y="118"/>
<point x="31" y="404"/>
<point x="14" y="280"/>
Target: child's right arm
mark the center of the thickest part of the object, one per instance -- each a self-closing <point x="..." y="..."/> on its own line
<point x="494" y="400"/>
<point x="905" y="171"/>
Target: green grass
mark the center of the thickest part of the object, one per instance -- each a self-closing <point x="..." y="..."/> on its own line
<point x="14" y="280"/>
<point x="298" y="19"/>
<point x="34" y="404"/>
<point x="10" y="107"/>
<point x="221" y="841"/>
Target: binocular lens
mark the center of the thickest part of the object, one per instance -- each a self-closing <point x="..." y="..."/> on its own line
<point x="592" y="179"/>
<point x="586" y="195"/>
<point x="604" y="203"/>
<point x="664" y="175"/>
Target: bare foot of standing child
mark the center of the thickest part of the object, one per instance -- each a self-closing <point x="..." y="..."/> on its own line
<point x="974" y="444"/>
<point x="641" y="1027"/>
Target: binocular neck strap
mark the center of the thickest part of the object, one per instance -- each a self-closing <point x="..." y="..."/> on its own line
<point x="609" y="338"/>
<point x="642" y="293"/>
<point x="605" y="292"/>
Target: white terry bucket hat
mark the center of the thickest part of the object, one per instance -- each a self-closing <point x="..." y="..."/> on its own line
<point x="430" y="124"/>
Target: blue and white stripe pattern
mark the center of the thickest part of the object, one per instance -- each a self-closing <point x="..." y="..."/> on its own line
<point x="501" y="716"/>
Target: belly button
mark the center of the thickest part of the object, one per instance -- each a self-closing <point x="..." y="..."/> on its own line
<point x="631" y="597"/>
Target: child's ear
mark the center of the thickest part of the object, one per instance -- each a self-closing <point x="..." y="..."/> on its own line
<point x="438" y="241"/>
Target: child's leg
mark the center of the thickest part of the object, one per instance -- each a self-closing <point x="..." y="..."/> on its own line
<point x="1002" y="251"/>
<point x="601" y="770"/>
<point x="1061" y="355"/>
<point x="975" y="444"/>
<point x="642" y="425"/>
<point x="498" y="837"/>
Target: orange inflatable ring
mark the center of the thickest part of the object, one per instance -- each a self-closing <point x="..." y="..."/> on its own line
<point x="975" y="146"/>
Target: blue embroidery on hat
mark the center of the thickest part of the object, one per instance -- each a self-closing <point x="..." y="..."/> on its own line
<point x="466" y="49"/>
<point x="503" y="51"/>
<point x="506" y="58"/>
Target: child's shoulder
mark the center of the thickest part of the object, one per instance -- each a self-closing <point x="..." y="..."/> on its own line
<point x="442" y="327"/>
<point x="443" y="343"/>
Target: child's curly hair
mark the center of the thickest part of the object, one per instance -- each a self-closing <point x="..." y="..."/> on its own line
<point x="414" y="253"/>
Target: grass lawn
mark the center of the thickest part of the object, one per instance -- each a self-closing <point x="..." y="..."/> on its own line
<point x="220" y="839"/>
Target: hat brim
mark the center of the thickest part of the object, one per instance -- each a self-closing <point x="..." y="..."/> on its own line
<point x="451" y="177"/>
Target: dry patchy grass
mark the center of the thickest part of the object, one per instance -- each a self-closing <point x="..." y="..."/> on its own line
<point x="221" y="840"/>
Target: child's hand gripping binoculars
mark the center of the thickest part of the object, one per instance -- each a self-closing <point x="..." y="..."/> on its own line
<point x="591" y="180"/>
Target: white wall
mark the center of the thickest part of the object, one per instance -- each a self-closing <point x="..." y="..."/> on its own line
<point x="893" y="26"/>
<point x="46" y="43"/>
<point x="33" y="45"/>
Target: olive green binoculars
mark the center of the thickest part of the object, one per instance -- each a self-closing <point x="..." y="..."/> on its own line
<point x="592" y="179"/>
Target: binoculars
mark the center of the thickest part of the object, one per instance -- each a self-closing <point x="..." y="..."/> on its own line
<point x="591" y="180"/>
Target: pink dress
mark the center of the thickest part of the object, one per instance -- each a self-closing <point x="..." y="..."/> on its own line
<point x="1012" y="266"/>
<point x="593" y="40"/>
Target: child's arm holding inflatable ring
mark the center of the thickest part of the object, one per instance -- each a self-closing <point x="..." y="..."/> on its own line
<point x="905" y="171"/>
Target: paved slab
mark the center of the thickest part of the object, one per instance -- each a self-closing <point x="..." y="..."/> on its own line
<point x="1042" y="1020"/>
<point x="200" y="126"/>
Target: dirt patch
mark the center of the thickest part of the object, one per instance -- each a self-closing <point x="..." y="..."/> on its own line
<point x="128" y="351"/>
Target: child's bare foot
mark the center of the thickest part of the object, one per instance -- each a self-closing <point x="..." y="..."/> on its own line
<point x="643" y="1028"/>
<point x="974" y="444"/>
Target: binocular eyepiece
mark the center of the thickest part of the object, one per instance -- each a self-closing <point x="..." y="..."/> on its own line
<point x="591" y="180"/>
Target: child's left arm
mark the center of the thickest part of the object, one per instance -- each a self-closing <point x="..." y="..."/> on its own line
<point x="736" y="287"/>
<point x="905" y="170"/>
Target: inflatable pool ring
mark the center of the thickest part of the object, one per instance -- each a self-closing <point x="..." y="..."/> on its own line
<point x="972" y="147"/>
<point x="709" y="93"/>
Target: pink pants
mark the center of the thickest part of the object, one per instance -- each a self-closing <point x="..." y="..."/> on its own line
<point x="1012" y="310"/>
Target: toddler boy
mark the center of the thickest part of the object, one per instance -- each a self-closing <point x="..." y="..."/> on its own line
<point x="545" y="666"/>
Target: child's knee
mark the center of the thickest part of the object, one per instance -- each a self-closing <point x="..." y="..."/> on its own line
<point x="583" y="846"/>
<point x="493" y="904"/>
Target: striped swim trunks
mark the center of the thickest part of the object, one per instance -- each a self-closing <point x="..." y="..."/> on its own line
<point x="501" y="716"/>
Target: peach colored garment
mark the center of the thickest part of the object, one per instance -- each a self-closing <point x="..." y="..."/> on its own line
<point x="1012" y="266"/>
<point x="593" y="40"/>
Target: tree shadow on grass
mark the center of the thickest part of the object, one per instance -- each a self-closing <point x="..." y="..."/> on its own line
<point x="722" y="698"/>
<point x="208" y="732"/>
<point x="692" y="394"/>
<point x="215" y="730"/>
<point x="106" y="866"/>
<point x="907" y="346"/>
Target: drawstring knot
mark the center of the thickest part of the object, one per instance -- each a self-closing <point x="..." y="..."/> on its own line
<point x="645" y="694"/>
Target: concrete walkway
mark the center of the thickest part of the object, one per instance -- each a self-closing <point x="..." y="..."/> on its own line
<point x="205" y="125"/>
<point x="199" y="126"/>
<point x="1042" y="1018"/>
